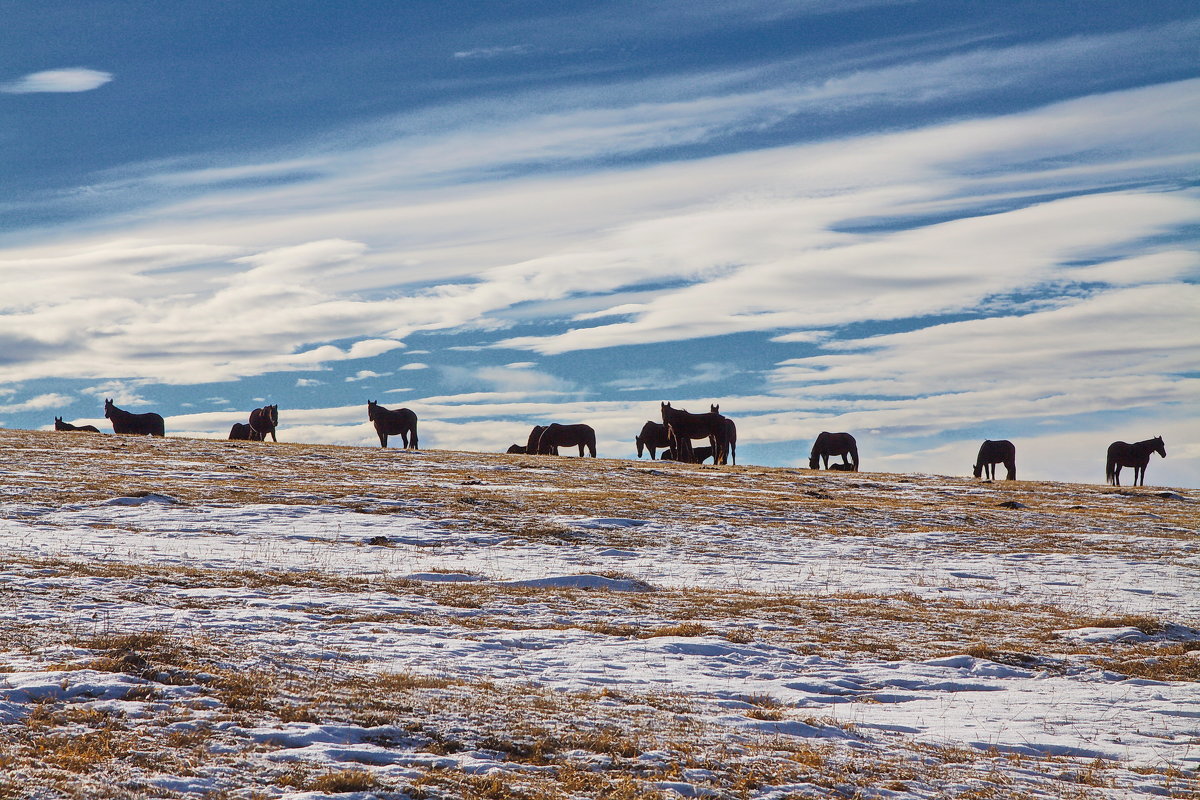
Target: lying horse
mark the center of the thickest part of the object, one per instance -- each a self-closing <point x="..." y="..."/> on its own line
<point x="243" y="432"/>
<point x="699" y="455"/>
<point x="690" y="426"/>
<point x="555" y="436"/>
<point x="653" y="437"/>
<point x="264" y="420"/>
<point x="1136" y="455"/>
<point x="139" y="424"/>
<point x="531" y="444"/>
<point x="517" y="449"/>
<point x="834" y="444"/>
<point x="401" y="422"/>
<point x="730" y="434"/>
<point x="59" y="425"/>
<point x="991" y="453"/>
<point x="836" y="467"/>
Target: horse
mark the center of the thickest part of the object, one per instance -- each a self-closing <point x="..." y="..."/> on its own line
<point x="836" y="467"/>
<point x="834" y="444"/>
<point x="1136" y="455"/>
<point x="690" y="426"/>
<point x="59" y="425"/>
<point x="402" y="422"/>
<point x="264" y="420"/>
<point x="653" y="437"/>
<point x="242" y="432"/>
<point x="516" y="450"/>
<point x="531" y="444"/>
<point x="730" y="433"/>
<point x="139" y="424"/>
<point x="555" y="436"/>
<point x="991" y="453"/>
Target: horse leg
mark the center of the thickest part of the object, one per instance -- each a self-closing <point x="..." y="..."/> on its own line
<point x="1116" y="475"/>
<point x="1011" y="466"/>
<point x="382" y="439"/>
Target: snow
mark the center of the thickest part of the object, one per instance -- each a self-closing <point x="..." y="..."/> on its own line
<point x="521" y="631"/>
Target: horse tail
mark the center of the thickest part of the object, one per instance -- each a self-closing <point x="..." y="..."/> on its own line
<point x="591" y="442"/>
<point x="1108" y="470"/>
<point x="414" y="434"/>
<point x="854" y="455"/>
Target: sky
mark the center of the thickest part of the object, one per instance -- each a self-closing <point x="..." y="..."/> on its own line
<point x="925" y="223"/>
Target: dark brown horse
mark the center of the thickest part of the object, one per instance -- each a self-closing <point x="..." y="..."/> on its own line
<point x="699" y="455"/>
<point x="653" y="437"/>
<point x="243" y="432"/>
<point x="1136" y="455"/>
<point x="730" y="435"/>
<point x="401" y="422"/>
<point x="531" y="444"/>
<point x="264" y="420"/>
<point x="59" y="425"/>
<point x="150" y="424"/>
<point x="991" y="453"/>
<point x="690" y="426"/>
<point x="834" y="444"/>
<point x="555" y="436"/>
<point x="516" y="450"/>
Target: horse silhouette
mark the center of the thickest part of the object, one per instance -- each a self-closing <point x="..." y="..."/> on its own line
<point x="690" y="426"/>
<point x="991" y="453"/>
<point x="834" y="444"/>
<point x="516" y="449"/>
<point x="264" y="420"/>
<point x="653" y="437"/>
<point x="244" y="432"/>
<point x="138" y="424"/>
<point x="730" y="434"/>
<point x="402" y="422"/>
<point x="531" y="444"/>
<point x="59" y="425"/>
<point x="1136" y="455"/>
<point x="838" y="467"/>
<point x="554" y="436"/>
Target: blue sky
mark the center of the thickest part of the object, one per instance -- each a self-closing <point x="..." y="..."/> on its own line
<point x="925" y="223"/>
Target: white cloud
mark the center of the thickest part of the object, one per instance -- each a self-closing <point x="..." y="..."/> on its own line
<point x="494" y="52"/>
<point x="364" y="374"/>
<point x="306" y="382"/>
<point x="75" y="79"/>
<point x="38" y="403"/>
<point x="414" y="365"/>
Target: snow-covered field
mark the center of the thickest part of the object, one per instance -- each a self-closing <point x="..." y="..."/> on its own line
<point x="186" y="618"/>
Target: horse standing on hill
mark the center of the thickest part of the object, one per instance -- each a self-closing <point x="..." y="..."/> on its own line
<point x="690" y="426"/>
<point x="150" y="424"/>
<point x="1136" y="455"/>
<point x="264" y="420"/>
<point x="59" y="425"/>
<point x="243" y="432"/>
<point x="555" y="436"/>
<point x="834" y="444"/>
<point x="653" y="437"/>
<point x="730" y="435"/>
<point x="402" y="422"/>
<point x="991" y="453"/>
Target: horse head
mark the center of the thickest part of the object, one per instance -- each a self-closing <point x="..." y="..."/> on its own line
<point x="1160" y="447"/>
<point x="372" y="408"/>
<point x="640" y="445"/>
<point x="715" y="408"/>
<point x="109" y="407"/>
<point x="977" y="470"/>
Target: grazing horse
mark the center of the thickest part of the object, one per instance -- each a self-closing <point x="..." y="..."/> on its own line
<point x="1136" y="455"/>
<point x="242" y="432"/>
<point x="653" y="437"/>
<point x="991" y="453"/>
<point x="264" y="420"/>
<point x="730" y="434"/>
<point x="59" y="425"/>
<point x="139" y="424"/>
<point x="834" y="444"/>
<point x="555" y="436"/>
<point x="531" y="444"/>
<point x="401" y="422"/>
<point x="690" y="426"/>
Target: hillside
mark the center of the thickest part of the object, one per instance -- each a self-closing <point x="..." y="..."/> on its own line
<point x="196" y="618"/>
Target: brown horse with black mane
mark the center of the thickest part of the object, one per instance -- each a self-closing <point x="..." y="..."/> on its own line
<point x="834" y="444"/>
<point x="688" y="426"/>
<point x="150" y="424"/>
<point x="730" y="435"/>
<point x="59" y="425"/>
<point x="555" y="436"/>
<point x="1136" y="455"/>
<point x="264" y="420"/>
<point x="991" y="453"/>
<point x="653" y="437"/>
<point x="402" y="422"/>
